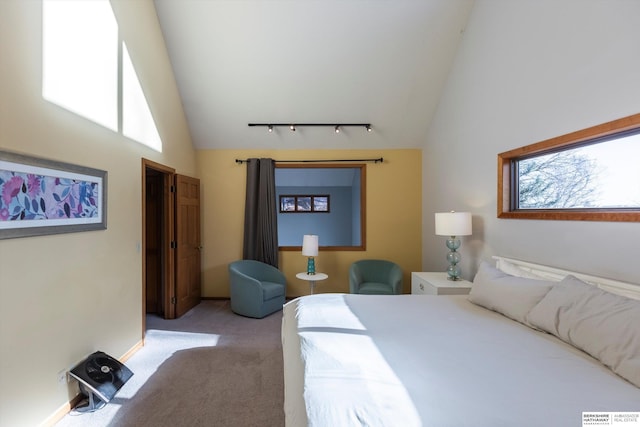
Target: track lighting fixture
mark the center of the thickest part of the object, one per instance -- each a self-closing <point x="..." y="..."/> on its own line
<point x="293" y="126"/>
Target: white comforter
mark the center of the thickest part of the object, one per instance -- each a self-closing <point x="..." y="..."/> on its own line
<point x="422" y="360"/>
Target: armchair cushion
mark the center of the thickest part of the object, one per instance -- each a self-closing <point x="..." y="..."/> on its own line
<point x="256" y="289"/>
<point x="272" y="290"/>
<point x="375" y="276"/>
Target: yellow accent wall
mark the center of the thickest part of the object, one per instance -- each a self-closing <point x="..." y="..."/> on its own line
<point x="65" y="296"/>
<point x="393" y="217"/>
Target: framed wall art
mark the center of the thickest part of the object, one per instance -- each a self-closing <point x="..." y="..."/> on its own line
<point x="39" y="196"/>
<point x="304" y="203"/>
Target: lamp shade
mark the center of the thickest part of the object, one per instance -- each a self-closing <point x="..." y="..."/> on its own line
<point x="453" y="223"/>
<point x="310" y="245"/>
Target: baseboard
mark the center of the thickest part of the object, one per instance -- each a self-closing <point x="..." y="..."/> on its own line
<point x="131" y="351"/>
<point x="62" y="411"/>
<point x="67" y="407"/>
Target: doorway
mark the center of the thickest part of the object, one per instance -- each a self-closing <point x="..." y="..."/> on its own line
<point x="171" y="245"/>
<point x="158" y="270"/>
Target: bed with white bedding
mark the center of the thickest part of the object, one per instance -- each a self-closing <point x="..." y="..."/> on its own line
<point x="424" y="360"/>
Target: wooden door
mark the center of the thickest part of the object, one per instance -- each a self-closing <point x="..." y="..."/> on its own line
<point x="187" y="235"/>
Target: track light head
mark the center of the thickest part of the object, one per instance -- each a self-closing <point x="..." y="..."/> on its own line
<point x="293" y="126"/>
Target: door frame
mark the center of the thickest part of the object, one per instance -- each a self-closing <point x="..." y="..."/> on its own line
<point x="168" y="227"/>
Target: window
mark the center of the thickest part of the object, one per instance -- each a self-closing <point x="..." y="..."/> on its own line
<point x="337" y="191"/>
<point x="80" y="54"/>
<point x="137" y="120"/>
<point x="591" y="175"/>
<point x="80" y="59"/>
<point x="292" y="203"/>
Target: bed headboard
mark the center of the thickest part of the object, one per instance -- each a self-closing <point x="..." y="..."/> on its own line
<point x="527" y="269"/>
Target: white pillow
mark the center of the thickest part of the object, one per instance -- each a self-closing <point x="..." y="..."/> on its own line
<point x="605" y="325"/>
<point x="506" y="294"/>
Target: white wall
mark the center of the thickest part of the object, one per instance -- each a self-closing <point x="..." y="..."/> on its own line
<point x="526" y="71"/>
<point x="65" y="296"/>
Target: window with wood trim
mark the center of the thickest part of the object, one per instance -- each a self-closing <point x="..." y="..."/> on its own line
<point x="588" y="175"/>
<point x="303" y="203"/>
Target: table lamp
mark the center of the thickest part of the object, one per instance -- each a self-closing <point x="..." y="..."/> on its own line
<point x="310" y="249"/>
<point x="453" y="224"/>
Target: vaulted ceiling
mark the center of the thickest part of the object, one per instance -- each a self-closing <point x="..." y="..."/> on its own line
<point x="383" y="62"/>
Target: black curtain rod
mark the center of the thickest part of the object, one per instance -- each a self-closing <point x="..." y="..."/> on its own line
<point x="379" y="160"/>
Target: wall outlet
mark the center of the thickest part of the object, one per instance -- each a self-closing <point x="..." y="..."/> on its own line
<point x="63" y="377"/>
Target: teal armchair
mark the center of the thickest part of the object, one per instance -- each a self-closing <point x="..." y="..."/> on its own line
<point x="375" y="276"/>
<point x="256" y="289"/>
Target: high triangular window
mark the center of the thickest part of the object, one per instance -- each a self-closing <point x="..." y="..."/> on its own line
<point x="80" y="72"/>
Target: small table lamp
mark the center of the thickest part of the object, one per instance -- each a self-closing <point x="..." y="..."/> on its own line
<point x="310" y="249"/>
<point x="453" y="224"/>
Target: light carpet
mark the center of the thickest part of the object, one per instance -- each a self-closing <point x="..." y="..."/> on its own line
<point x="210" y="367"/>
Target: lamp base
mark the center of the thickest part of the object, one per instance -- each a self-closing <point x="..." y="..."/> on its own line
<point x="453" y="271"/>
<point x="311" y="266"/>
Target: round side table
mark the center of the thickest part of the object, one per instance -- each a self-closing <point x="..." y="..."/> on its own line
<point x="312" y="278"/>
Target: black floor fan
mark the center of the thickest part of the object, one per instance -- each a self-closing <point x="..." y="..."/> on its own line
<point x="99" y="376"/>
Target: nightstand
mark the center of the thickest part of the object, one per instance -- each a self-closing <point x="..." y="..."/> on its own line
<point x="312" y="279"/>
<point x="428" y="283"/>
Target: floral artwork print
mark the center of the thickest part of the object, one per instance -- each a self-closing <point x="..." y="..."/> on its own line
<point x="26" y="196"/>
<point x="40" y="197"/>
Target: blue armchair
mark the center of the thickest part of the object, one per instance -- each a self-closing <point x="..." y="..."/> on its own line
<point x="257" y="289"/>
<point x="375" y="276"/>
